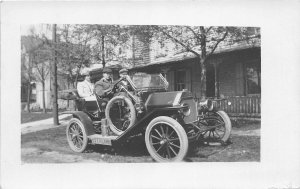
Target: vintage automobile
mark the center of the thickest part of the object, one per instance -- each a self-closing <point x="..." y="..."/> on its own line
<point x="141" y="104"/>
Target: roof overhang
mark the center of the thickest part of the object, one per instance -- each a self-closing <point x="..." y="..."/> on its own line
<point x="188" y="55"/>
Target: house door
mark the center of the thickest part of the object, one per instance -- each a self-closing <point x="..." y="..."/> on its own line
<point x="210" y="81"/>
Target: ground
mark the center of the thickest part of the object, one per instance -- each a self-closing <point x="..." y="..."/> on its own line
<point x="34" y="116"/>
<point x="50" y="146"/>
<point x="27" y="117"/>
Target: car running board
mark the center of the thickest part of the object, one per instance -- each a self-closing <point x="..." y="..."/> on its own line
<point x="100" y="139"/>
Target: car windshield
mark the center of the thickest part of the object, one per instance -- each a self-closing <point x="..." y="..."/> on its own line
<point x="143" y="80"/>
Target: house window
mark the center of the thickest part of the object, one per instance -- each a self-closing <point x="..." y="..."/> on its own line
<point x="253" y="78"/>
<point x="180" y="78"/>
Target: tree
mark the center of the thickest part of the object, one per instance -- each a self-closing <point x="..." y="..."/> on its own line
<point x="82" y="45"/>
<point x="108" y="38"/>
<point x="39" y="53"/>
<point x="29" y="46"/>
<point x="201" y="41"/>
<point x="73" y="50"/>
<point x="41" y="62"/>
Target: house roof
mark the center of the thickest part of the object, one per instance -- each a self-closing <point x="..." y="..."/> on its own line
<point x="188" y="55"/>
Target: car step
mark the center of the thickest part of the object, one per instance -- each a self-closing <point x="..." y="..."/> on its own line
<point x="100" y="139"/>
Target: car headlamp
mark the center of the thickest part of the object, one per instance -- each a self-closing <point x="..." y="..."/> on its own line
<point x="186" y="109"/>
<point x="206" y="105"/>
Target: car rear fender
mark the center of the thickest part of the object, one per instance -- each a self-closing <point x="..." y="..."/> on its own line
<point x="85" y="119"/>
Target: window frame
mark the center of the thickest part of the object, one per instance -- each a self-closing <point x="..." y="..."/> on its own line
<point x="245" y="66"/>
<point x="176" y="83"/>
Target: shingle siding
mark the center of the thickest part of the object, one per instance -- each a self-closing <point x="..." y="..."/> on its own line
<point x="141" y="52"/>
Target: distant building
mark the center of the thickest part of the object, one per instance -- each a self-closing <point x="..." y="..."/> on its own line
<point x="36" y="94"/>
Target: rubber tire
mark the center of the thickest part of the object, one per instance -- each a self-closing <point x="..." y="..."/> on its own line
<point x="228" y="126"/>
<point x="85" y="138"/>
<point x="132" y="113"/>
<point x="180" y="132"/>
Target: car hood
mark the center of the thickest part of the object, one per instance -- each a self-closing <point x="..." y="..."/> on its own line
<point x="166" y="99"/>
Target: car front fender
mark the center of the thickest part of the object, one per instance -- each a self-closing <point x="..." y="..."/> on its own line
<point x="85" y="119"/>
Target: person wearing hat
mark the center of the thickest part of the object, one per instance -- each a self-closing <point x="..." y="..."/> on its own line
<point x="123" y="72"/>
<point x="104" y="85"/>
<point x="85" y="88"/>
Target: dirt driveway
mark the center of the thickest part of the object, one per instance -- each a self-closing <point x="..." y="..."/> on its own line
<point x="50" y="146"/>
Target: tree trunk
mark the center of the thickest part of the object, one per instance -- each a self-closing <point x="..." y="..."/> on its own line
<point x="103" y="51"/>
<point x="44" y="103"/>
<point x="77" y="74"/>
<point x="202" y="63"/>
<point x="68" y="102"/>
<point x="203" y="80"/>
<point x="28" y="96"/>
<point x="54" y="78"/>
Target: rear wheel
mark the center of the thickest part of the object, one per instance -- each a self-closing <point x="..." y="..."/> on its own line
<point x="166" y="140"/>
<point x="76" y="135"/>
<point x="221" y="127"/>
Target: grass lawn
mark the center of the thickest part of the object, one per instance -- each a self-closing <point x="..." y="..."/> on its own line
<point x="50" y="146"/>
<point x="34" y="116"/>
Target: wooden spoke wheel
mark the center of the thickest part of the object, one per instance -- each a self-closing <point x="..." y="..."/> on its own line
<point x="76" y="135"/>
<point x="120" y="114"/>
<point x="221" y="127"/>
<point x="166" y="140"/>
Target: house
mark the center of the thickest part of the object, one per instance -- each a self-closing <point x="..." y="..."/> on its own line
<point x="233" y="73"/>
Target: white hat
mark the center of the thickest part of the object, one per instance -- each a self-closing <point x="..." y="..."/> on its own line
<point x="85" y="71"/>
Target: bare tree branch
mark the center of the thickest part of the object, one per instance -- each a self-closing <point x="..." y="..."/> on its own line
<point x="218" y="42"/>
<point x="195" y="34"/>
<point x="47" y="72"/>
<point x="183" y="45"/>
<point x="208" y="29"/>
<point x="40" y="76"/>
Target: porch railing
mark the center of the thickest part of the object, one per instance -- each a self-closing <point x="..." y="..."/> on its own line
<point x="241" y="106"/>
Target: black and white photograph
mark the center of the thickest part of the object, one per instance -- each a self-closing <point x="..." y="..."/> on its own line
<point x="150" y="94"/>
<point x="140" y="93"/>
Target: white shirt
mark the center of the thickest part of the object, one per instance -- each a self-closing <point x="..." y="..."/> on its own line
<point x="85" y="88"/>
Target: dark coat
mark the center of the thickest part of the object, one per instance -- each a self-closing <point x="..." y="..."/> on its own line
<point x="102" y="86"/>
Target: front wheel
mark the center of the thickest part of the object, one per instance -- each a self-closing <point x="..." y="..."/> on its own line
<point x="76" y="135"/>
<point x="166" y="140"/>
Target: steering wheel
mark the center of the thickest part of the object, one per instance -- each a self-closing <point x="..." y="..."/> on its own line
<point x="113" y="88"/>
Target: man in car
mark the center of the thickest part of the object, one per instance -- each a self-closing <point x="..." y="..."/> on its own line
<point x="123" y="72"/>
<point x="85" y="88"/>
<point x="104" y="85"/>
